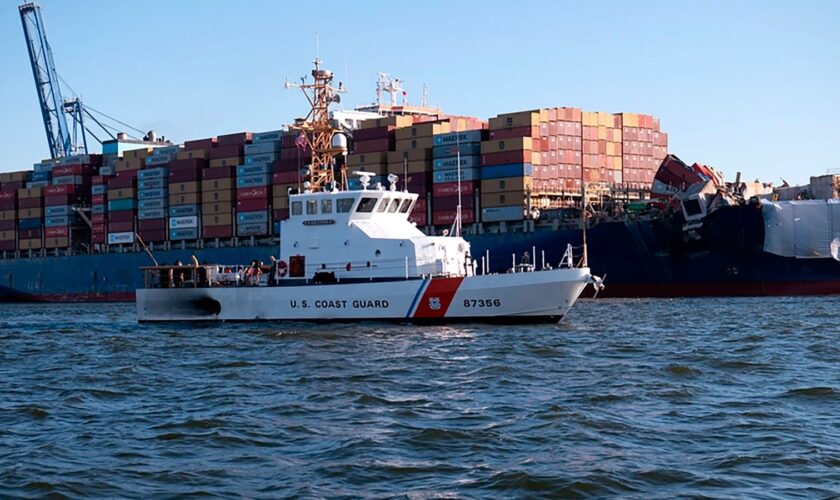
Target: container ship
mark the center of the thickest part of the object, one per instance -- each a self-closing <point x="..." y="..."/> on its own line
<point x="521" y="185"/>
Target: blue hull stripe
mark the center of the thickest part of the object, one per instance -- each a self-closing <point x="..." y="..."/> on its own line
<point x="416" y="297"/>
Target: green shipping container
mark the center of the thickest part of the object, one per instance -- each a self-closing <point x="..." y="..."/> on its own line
<point x="125" y="204"/>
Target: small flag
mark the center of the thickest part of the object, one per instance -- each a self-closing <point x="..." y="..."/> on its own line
<point x="301" y="142"/>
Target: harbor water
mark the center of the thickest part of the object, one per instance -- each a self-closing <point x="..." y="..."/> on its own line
<point x="630" y="398"/>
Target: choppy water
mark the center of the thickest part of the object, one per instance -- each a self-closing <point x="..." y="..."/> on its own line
<point x="645" y="399"/>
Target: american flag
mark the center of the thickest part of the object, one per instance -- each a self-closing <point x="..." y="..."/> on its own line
<point x="301" y="142"/>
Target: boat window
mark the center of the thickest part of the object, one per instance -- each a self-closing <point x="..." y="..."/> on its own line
<point x="344" y="205"/>
<point x="297" y="208"/>
<point x="395" y="204"/>
<point x="366" y="205"/>
<point x="326" y="206"/>
<point x="406" y="204"/>
<point x="311" y="207"/>
<point x="384" y="205"/>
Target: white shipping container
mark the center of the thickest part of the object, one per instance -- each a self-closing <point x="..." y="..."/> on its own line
<point x="183" y="222"/>
<point x="120" y="238"/>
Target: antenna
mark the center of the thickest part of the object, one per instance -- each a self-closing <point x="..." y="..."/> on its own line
<point x="425" y="102"/>
<point x="317" y="56"/>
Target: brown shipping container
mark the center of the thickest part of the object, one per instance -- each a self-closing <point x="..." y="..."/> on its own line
<point x="412" y="144"/>
<point x="390" y="121"/>
<point x="366" y="134"/>
<point x="373" y="145"/>
<point x="121" y="194"/>
<point x="506" y="184"/>
<point x="229" y="151"/>
<point x="422" y="130"/>
<point x="30" y="213"/>
<point x="199" y="144"/>
<point x="519" y="119"/>
<point x="31" y="203"/>
<point x="217" y="184"/>
<point x="59" y="242"/>
<point x="7" y="235"/>
<point x="356" y="160"/>
<point x="451" y="202"/>
<point x="183" y="187"/>
<point x="220" y="219"/>
<point x="189" y="164"/>
<point x="30" y="193"/>
<point x="279" y="202"/>
<point x="513" y="144"/>
<point x="120" y="227"/>
<point x="216" y="208"/>
<point x="505" y="157"/>
<point x="238" y="138"/>
<point x="30" y="244"/>
<point x="128" y="164"/>
<point x="193" y="154"/>
<point x="489" y="200"/>
<point x="226" y="162"/>
<point x="218" y="195"/>
<point x="121" y="216"/>
<point x="15" y="176"/>
<point x="140" y="153"/>
<point x="282" y="190"/>
<point x="8" y="215"/>
<point x="412" y="155"/>
<point x="184" y="176"/>
<point x="151" y="224"/>
<point x="185" y="199"/>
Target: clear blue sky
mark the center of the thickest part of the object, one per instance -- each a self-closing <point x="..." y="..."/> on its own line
<point x="745" y="85"/>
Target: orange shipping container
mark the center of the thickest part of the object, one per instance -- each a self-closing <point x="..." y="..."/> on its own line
<point x="30" y="244"/>
<point x="390" y="121"/>
<point x="216" y="184"/>
<point x="411" y="155"/>
<point x="220" y="219"/>
<point x="507" y="184"/>
<point x="415" y="143"/>
<point x="185" y="199"/>
<point x="193" y="154"/>
<point x="422" y="130"/>
<point x="30" y="193"/>
<point x="7" y="235"/>
<point x="8" y="215"/>
<point x="226" y="162"/>
<point x="59" y="242"/>
<point x="183" y="187"/>
<point x="216" y="208"/>
<point x="514" y="144"/>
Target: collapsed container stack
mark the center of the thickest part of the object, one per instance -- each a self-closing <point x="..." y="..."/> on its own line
<point x="70" y="189"/>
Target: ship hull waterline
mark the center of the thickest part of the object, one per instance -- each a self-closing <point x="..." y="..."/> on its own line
<point x="543" y="296"/>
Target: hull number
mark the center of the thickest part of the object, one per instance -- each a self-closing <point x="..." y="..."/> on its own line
<point x="482" y="302"/>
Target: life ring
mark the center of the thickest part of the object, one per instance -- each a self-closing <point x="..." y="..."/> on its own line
<point x="282" y="269"/>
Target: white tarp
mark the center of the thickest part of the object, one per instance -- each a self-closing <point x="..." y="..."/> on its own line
<point x="808" y="229"/>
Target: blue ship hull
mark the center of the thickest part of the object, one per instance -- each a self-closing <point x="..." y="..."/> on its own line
<point x="639" y="259"/>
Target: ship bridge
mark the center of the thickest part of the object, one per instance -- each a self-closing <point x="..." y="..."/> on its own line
<point x="365" y="234"/>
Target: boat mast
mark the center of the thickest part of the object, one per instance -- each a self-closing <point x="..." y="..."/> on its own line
<point x="317" y="129"/>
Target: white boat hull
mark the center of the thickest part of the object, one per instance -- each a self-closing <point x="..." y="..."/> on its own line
<point x="517" y="297"/>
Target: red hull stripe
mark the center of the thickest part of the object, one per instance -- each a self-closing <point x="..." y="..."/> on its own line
<point x="438" y="296"/>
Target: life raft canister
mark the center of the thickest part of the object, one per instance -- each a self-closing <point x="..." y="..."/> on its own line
<point x="282" y="269"/>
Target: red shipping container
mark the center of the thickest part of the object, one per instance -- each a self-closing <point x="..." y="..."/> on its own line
<point x="120" y="227"/>
<point x="200" y="144"/>
<point x="97" y="218"/>
<point x="420" y="204"/>
<point x="98" y="238"/>
<point x="56" y="232"/>
<point x="228" y="151"/>
<point x="152" y="234"/>
<point x="7" y="246"/>
<point x="285" y="177"/>
<point x="121" y="216"/>
<point x="8" y="204"/>
<point x="447" y="203"/>
<point x="30" y="202"/>
<point x="252" y="193"/>
<point x="184" y="175"/>
<point x="217" y="231"/>
<point x="71" y="170"/>
<point x="98" y="228"/>
<point x="512" y="133"/>
<point x="237" y="139"/>
<point x="448" y="216"/>
<point x="62" y="189"/>
<point x="62" y="199"/>
<point x="13" y="186"/>
<point x="151" y="224"/>
<point x="291" y="163"/>
<point x="7" y="225"/>
<point x="26" y="234"/>
<point x="97" y="199"/>
<point x="189" y="164"/>
<point x="217" y="173"/>
<point x="8" y="195"/>
<point x="374" y="145"/>
<point x="451" y="188"/>
<point x="252" y="205"/>
<point x="122" y="181"/>
<point x="281" y="214"/>
<point x="504" y="157"/>
<point x="96" y="180"/>
<point x="366" y="134"/>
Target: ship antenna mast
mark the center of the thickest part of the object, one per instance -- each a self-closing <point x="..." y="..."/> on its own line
<point x="317" y="129"/>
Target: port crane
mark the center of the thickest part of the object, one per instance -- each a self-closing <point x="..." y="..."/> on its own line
<point x="64" y="139"/>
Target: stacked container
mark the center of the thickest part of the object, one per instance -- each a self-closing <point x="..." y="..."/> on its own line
<point x="254" y="188"/>
<point x="645" y="146"/>
<point x="185" y="176"/>
<point x="122" y="207"/>
<point x="30" y="218"/>
<point x="8" y="219"/>
<point x="70" y="189"/>
<point x="455" y="154"/>
<point x="216" y="188"/>
<point x="153" y="202"/>
<point x="99" y="208"/>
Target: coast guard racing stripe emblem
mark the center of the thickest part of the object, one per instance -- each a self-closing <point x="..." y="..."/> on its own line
<point x="438" y="296"/>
